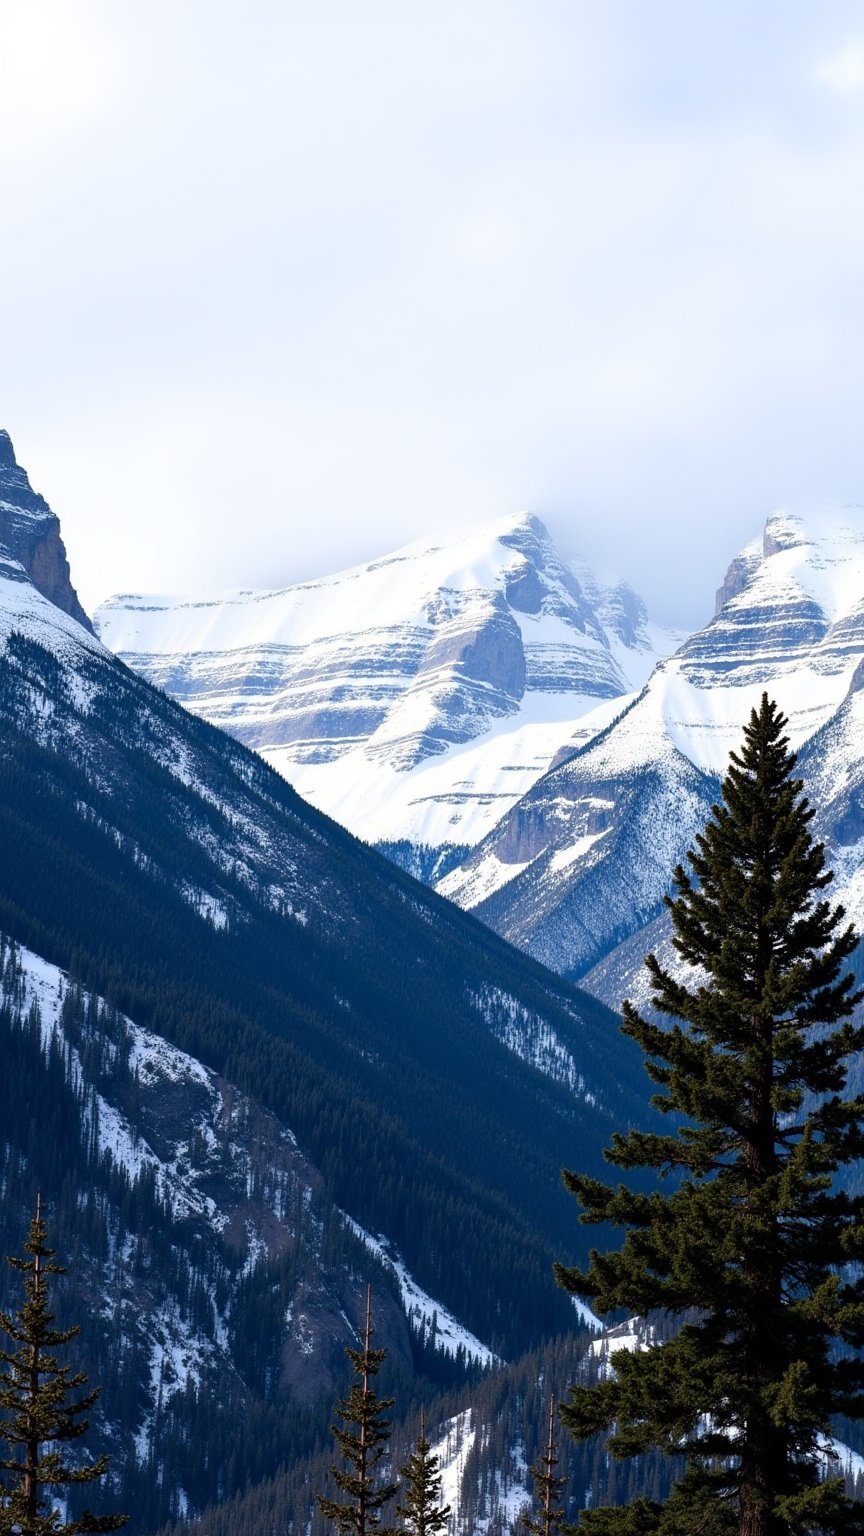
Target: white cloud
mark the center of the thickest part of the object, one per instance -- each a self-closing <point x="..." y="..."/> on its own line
<point x="61" y="68"/>
<point x="843" y="73"/>
<point x="286" y="285"/>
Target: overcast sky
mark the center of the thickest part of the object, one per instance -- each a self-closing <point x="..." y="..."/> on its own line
<point x="283" y="285"/>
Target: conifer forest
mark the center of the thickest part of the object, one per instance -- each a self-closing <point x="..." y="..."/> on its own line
<point x="714" y="1381"/>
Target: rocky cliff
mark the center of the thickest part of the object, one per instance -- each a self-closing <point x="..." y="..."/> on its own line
<point x="30" y="536"/>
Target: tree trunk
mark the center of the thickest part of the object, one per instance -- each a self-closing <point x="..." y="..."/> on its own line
<point x="31" y="1464"/>
<point x="762" y="1446"/>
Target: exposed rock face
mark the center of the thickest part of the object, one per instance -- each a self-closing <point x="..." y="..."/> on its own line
<point x="738" y="575"/>
<point x="472" y="669"/>
<point x="327" y="1315"/>
<point x="366" y="688"/>
<point x="584" y="858"/>
<point x="579" y="866"/>
<point x="30" y="536"/>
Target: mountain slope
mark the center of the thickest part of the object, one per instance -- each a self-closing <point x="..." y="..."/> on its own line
<point x="413" y="698"/>
<point x="437" y="1078"/>
<point x="581" y="863"/>
<point x="210" y="1275"/>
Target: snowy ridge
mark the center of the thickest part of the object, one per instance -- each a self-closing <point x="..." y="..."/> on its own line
<point x="632" y="1336"/>
<point x="427" y="1317"/>
<point x="586" y="1316"/>
<point x="413" y="698"/>
<point x="156" y="1062"/>
<point x="500" y="1504"/>
<point x="85" y="678"/>
<point x="30" y="544"/>
<point x="583" y="860"/>
<point x="23" y="609"/>
<point x="506" y="1498"/>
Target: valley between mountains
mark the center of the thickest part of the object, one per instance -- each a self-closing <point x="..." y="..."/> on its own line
<point x="317" y="908"/>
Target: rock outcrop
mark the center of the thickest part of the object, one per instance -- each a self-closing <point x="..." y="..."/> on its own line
<point x="30" y="536"/>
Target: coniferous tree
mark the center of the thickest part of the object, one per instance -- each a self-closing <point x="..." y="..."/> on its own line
<point x="42" y="1409"/>
<point x="547" y="1486"/>
<point x="421" y="1510"/>
<point x="363" y="1438"/>
<point x="755" y="1250"/>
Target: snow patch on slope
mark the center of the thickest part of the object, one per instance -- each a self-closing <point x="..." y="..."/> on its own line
<point x="452" y="1449"/>
<point x="45" y="985"/>
<point x="425" y="1315"/>
<point x="531" y="1038"/>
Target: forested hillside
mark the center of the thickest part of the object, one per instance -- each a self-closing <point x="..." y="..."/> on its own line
<point x="387" y="1029"/>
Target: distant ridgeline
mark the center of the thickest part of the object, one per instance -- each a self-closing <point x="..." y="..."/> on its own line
<point x="575" y="873"/>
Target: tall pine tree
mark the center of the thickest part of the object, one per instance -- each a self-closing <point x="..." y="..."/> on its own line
<point x="363" y="1438"/>
<point x="755" y="1249"/>
<point x="42" y="1409"/>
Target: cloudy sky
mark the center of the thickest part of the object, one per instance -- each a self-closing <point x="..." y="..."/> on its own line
<point x="285" y="284"/>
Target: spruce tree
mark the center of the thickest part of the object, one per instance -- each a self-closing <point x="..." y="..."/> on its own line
<point x="363" y="1438"/>
<point x="756" y="1251"/>
<point x="421" y="1510"/>
<point x="547" y="1486"/>
<point x="42" y="1409"/>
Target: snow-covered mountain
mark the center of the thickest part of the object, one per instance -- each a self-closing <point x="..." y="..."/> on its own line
<point x="301" y="984"/>
<point x="580" y="864"/>
<point x="414" y="698"/>
<point x="262" y="1063"/>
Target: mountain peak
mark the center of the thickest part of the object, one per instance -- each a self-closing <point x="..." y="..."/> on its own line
<point x="15" y="488"/>
<point x="790" y="528"/>
<point x="784" y="529"/>
<point x="30" y="537"/>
